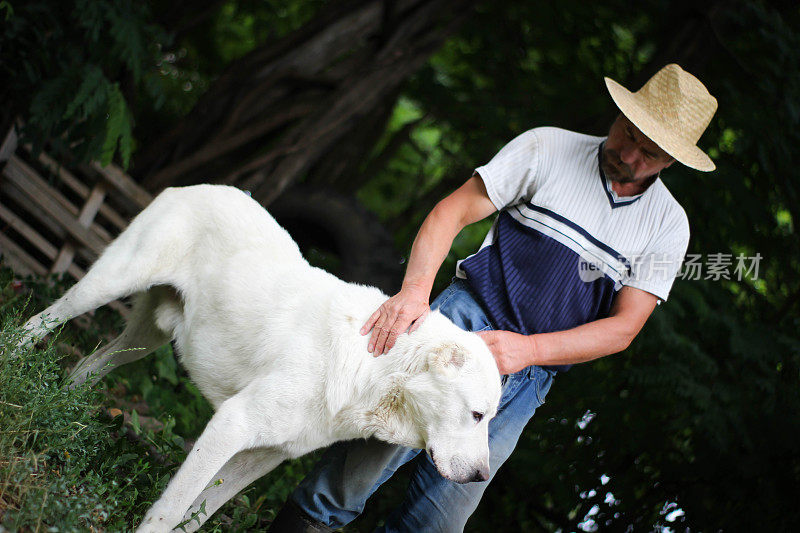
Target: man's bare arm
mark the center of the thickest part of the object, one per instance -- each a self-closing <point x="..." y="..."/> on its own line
<point x="629" y="312"/>
<point x="467" y="204"/>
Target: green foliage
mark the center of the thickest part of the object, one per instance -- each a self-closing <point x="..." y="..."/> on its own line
<point x="190" y="60"/>
<point x="69" y="65"/>
<point x="66" y="465"/>
<point x="6" y="7"/>
<point x="695" y="426"/>
<point x="61" y="466"/>
<point x="96" y="75"/>
<point x="688" y="419"/>
<point x="241" y="26"/>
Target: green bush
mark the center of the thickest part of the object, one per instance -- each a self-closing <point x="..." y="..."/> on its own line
<point x="71" y="68"/>
<point x="66" y="464"/>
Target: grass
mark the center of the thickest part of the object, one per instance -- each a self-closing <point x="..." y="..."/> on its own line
<point x="94" y="458"/>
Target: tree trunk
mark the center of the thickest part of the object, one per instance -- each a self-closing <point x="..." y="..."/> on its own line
<point x="311" y="102"/>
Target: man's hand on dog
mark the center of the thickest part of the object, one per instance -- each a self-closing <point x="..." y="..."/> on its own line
<point x="409" y="307"/>
<point x="512" y="352"/>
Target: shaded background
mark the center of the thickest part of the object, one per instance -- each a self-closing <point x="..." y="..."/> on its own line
<point x="350" y="119"/>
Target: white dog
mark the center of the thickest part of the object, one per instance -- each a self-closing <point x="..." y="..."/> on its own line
<point x="274" y="345"/>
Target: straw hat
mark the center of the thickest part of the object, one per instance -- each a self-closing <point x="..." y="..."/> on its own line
<point x="673" y="109"/>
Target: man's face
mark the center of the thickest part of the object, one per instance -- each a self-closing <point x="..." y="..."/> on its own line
<point x="629" y="156"/>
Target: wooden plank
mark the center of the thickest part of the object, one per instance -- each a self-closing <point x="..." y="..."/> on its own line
<point x="42" y="184"/>
<point x="92" y="205"/>
<point x="75" y="271"/>
<point x="18" y="259"/>
<point x="15" y="264"/>
<point x="38" y="190"/>
<point x="23" y="263"/>
<point x="28" y="174"/>
<point x="8" y="190"/>
<point x="120" y="307"/>
<point x="80" y="189"/>
<point x="124" y="184"/>
<point x="11" y="192"/>
<point x="28" y="232"/>
<point x="34" y="187"/>
<point x="87" y="214"/>
<point x="9" y="145"/>
<point x="64" y="174"/>
<point x="112" y="216"/>
<point x="20" y="262"/>
<point x="64" y="259"/>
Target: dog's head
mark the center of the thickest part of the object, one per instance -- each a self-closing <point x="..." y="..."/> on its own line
<point x="448" y="402"/>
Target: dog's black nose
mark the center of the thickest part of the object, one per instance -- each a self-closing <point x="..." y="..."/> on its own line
<point x="480" y="475"/>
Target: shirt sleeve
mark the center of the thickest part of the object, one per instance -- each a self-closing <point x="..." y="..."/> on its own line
<point x="656" y="268"/>
<point x="511" y="174"/>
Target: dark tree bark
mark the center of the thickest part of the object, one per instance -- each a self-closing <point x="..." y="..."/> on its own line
<point x="314" y="102"/>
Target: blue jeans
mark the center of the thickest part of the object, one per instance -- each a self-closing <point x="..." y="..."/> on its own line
<point x="335" y="491"/>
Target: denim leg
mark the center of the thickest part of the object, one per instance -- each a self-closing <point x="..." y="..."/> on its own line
<point x="435" y="504"/>
<point x="336" y="490"/>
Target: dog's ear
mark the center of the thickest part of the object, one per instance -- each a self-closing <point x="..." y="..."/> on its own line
<point x="447" y="358"/>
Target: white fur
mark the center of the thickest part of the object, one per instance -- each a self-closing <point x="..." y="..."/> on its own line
<point x="274" y="345"/>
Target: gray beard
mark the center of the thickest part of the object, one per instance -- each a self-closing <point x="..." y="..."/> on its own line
<point x="618" y="179"/>
<point x="620" y="172"/>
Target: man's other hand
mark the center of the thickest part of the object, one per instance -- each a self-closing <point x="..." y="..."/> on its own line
<point x="512" y="352"/>
<point x="408" y="307"/>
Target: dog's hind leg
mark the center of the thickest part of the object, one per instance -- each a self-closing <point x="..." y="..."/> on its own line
<point x="149" y="252"/>
<point x="143" y="334"/>
<point x="241" y="470"/>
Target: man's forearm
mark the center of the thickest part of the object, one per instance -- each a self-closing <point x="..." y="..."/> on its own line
<point x="513" y="351"/>
<point x="582" y="343"/>
<point x="468" y="204"/>
<point x="429" y="250"/>
<point x="408" y="308"/>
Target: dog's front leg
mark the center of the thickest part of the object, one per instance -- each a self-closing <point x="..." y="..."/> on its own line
<point x="244" y="468"/>
<point x="228" y="433"/>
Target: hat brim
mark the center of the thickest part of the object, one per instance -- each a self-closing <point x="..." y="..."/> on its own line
<point x="686" y="153"/>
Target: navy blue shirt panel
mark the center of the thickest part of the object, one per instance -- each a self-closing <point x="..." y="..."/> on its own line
<point x="529" y="283"/>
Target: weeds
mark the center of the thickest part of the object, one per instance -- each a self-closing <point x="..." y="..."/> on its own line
<point x="67" y="463"/>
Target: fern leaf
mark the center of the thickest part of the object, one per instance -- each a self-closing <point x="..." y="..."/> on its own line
<point x="126" y="31"/>
<point x="118" y="129"/>
<point x="92" y="16"/>
<point x="91" y="95"/>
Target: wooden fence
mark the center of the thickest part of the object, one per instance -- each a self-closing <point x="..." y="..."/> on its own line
<point x="57" y="217"/>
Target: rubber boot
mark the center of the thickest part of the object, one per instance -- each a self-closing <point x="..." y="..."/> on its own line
<point x="292" y="519"/>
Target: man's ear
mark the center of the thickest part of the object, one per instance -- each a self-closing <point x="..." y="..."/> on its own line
<point x="447" y="358"/>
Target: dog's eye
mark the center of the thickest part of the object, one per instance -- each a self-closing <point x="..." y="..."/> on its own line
<point x="477" y="416"/>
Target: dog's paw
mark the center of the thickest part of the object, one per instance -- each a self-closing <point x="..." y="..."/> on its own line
<point x="32" y="332"/>
<point x="154" y="523"/>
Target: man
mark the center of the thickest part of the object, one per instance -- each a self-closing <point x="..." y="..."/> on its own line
<point x="588" y="241"/>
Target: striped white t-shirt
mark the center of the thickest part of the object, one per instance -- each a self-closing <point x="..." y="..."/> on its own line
<point x="564" y="242"/>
